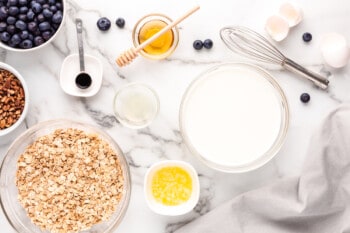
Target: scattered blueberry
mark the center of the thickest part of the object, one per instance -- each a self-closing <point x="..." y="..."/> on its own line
<point x="21" y="25"/>
<point x="41" y="2"/>
<point x="26" y="44"/>
<point x="52" y="2"/>
<point x="305" y="97"/>
<point x="198" y="44"/>
<point x="57" y="17"/>
<point x="5" y="36"/>
<point x="307" y="37"/>
<point x="120" y="22"/>
<point x="3" y="26"/>
<point x="208" y="44"/>
<point x="11" y="20"/>
<point x="103" y="24"/>
<point x="13" y="10"/>
<point x="46" y="6"/>
<point x="38" y="40"/>
<point x="47" y="13"/>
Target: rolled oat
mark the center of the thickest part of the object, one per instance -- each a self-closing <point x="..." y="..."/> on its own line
<point x="69" y="181"/>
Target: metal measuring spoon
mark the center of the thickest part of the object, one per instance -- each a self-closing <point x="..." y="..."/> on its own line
<point x="83" y="80"/>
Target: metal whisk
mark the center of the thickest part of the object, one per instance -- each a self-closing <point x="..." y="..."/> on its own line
<point x="251" y="44"/>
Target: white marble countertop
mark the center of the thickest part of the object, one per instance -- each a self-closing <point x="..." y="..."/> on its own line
<point x="170" y="78"/>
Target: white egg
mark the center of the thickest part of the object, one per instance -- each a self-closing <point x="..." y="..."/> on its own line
<point x="335" y="50"/>
<point x="277" y="27"/>
<point x="292" y="13"/>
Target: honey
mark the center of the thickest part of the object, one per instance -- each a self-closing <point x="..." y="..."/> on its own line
<point x="162" y="44"/>
<point x="171" y="186"/>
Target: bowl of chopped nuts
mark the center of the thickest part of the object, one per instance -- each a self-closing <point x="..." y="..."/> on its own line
<point x="64" y="176"/>
<point x="14" y="100"/>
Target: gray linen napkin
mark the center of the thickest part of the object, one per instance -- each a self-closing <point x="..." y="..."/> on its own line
<point x="316" y="202"/>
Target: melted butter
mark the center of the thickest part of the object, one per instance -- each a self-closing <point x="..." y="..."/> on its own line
<point x="162" y="44"/>
<point x="171" y="186"/>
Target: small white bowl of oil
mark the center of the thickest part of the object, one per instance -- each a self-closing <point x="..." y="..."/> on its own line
<point x="171" y="187"/>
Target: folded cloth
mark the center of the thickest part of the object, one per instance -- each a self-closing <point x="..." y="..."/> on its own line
<point x="316" y="202"/>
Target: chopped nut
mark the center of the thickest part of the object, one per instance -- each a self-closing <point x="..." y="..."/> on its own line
<point x="12" y="99"/>
<point x="61" y="188"/>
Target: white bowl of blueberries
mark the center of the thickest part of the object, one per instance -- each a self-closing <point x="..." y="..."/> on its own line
<point x="27" y="25"/>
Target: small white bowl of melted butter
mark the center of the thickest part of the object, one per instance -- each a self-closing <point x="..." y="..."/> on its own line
<point x="171" y="187"/>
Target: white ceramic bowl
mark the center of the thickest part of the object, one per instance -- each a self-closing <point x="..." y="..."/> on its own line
<point x="7" y="131"/>
<point x="5" y="46"/>
<point x="183" y="208"/>
<point x="70" y="69"/>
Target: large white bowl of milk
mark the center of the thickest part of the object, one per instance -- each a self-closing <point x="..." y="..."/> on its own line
<point x="234" y="117"/>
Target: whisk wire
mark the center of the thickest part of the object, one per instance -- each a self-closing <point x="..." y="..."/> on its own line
<point x="251" y="44"/>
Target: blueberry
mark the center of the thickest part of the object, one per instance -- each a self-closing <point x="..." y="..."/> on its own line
<point x="52" y="2"/>
<point x="37" y="8"/>
<point x="11" y="29"/>
<point x="197" y="44"/>
<point x="38" y="40"/>
<point x="23" y="17"/>
<point x="53" y="9"/>
<point x="57" y="17"/>
<point x="15" y="39"/>
<point x="23" y="2"/>
<point x="11" y="20"/>
<point x="37" y="32"/>
<point x="30" y="14"/>
<point x="47" y="13"/>
<point x="3" y="26"/>
<point x="44" y="26"/>
<point x="30" y="37"/>
<point x="307" y="37"/>
<point x="3" y="12"/>
<point x="21" y="25"/>
<point x="23" y="10"/>
<point x="41" y="2"/>
<point x="59" y="6"/>
<point x="40" y="18"/>
<point x="103" y="24"/>
<point x="5" y="36"/>
<point x="26" y="44"/>
<point x="55" y="25"/>
<point x="120" y="22"/>
<point x="305" y="97"/>
<point x="46" y="35"/>
<point x="24" y="34"/>
<point x="32" y="26"/>
<point x="46" y="6"/>
<point x="13" y="10"/>
<point x="12" y="2"/>
<point x="208" y="44"/>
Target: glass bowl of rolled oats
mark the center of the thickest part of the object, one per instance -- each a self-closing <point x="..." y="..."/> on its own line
<point x="62" y="176"/>
<point x="14" y="100"/>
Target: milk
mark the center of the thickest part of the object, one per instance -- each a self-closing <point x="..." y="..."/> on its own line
<point x="232" y="116"/>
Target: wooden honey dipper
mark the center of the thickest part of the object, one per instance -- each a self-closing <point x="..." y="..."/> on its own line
<point x="130" y="54"/>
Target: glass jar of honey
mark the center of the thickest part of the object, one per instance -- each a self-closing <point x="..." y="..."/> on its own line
<point x="163" y="46"/>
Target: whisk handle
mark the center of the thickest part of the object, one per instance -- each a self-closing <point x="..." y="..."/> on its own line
<point x="317" y="79"/>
